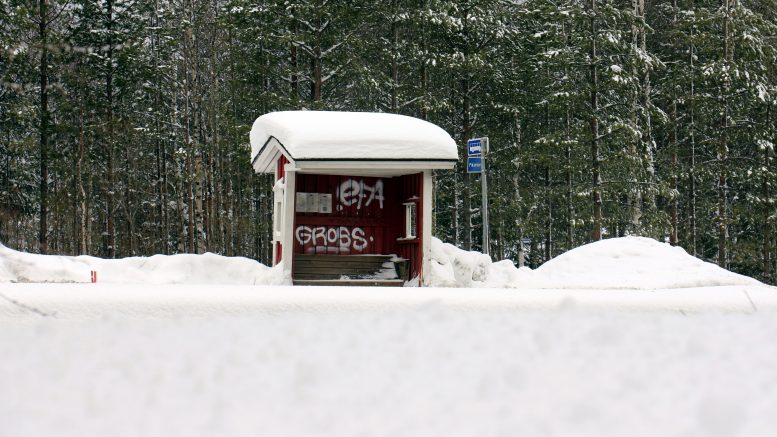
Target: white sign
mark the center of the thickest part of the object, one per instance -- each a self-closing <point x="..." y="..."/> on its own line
<point x="312" y="205"/>
<point x="325" y="203"/>
<point x="314" y="202"/>
<point x="302" y="202"/>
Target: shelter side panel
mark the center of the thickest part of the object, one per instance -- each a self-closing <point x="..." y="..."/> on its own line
<point x="346" y="215"/>
<point x="410" y="190"/>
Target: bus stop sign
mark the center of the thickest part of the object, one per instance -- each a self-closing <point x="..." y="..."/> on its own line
<point x="474" y="164"/>
<point x="477" y="146"/>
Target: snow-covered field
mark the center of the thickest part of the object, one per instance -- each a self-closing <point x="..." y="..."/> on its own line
<point x="623" y="337"/>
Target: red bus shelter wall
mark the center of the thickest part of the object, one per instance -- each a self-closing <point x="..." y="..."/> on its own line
<point x="367" y="216"/>
<point x="280" y="170"/>
<point x="363" y="216"/>
<point x="411" y="190"/>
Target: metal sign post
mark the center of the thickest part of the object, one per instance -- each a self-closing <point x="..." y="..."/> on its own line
<point x="476" y="163"/>
<point x="484" y="213"/>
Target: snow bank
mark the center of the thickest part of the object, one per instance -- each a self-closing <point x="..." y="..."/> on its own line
<point x="617" y="263"/>
<point x="158" y="269"/>
<point x="454" y="267"/>
<point x="27" y="267"/>
<point x="634" y="263"/>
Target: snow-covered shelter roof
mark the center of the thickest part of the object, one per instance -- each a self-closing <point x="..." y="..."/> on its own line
<point x="322" y="138"/>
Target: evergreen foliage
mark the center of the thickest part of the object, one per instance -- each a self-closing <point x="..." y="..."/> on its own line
<point x="124" y="124"/>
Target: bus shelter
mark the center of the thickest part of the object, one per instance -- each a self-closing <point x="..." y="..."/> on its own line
<point x="352" y="193"/>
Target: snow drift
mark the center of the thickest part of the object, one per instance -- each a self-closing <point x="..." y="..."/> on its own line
<point x="617" y="263"/>
<point x="158" y="269"/>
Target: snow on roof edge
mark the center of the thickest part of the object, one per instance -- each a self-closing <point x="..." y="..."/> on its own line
<point x="351" y="136"/>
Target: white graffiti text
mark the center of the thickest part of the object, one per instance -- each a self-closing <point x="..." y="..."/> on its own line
<point x="341" y="237"/>
<point x="355" y="192"/>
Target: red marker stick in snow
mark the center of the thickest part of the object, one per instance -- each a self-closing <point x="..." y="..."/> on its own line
<point x="94" y="276"/>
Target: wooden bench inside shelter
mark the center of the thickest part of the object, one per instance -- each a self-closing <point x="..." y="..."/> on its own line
<point x="354" y="270"/>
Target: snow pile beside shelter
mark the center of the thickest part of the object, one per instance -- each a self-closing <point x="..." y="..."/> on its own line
<point x="618" y="263"/>
<point x="454" y="267"/>
<point x="158" y="269"/>
<point x="634" y="263"/>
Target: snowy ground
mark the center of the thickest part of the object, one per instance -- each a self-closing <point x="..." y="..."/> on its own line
<point x="78" y="302"/>
<point x="223" y="361"/>
<point x="624" y="337"/>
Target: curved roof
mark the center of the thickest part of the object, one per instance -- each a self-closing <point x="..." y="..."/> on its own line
<point x="349" y="136"/>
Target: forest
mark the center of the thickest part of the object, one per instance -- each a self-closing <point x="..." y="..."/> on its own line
<point x="124" y="123"/>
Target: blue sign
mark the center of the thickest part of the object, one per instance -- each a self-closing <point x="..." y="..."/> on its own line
<point x="474" y="164"/>
<point x="475" y="147"/>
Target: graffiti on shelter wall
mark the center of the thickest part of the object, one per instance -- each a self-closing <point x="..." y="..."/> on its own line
<point x="353" y="192"/>
<point x="333" y="239"/>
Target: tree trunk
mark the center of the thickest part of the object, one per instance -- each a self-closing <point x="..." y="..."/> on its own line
<point x="44" y="126"/>
<point x="521" y="252"/>
<point x="533" y="254"/>
<point x="394" y="61"/>
<point x="293" y="62"/>
<point x="501" y="246"/>
<point x="56" y="222"/>
<point x="766" y="192"/>
<point x="647" y="128"/>
<point x="316" y="82"/>
<point x="673" y="139"/>
<point x="109" y="243"/>
<point x="129" y="205"/>
<point x="455" y="228"/>
<point x="596" y="235"/>
<point x="189" y="177"/>
<point x="767" y="228"/>
<point x="673" y="240"/>
<point x="692" y="168"/>
<point x="548" y="218"/>
<point x="517" y="189"/>
<point x="213" y="147"/>
<point x="723" y="147"/>
<point x="466" y="132"/>
<point x="635" y="191"/>
<point x="79" y="181"/>
<point x="466" y="204"/>
<point x="548" y="244"/>
<point x="568" y="156"/>
<point x="423" y="113"/>
<point x="188" y="114"/>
